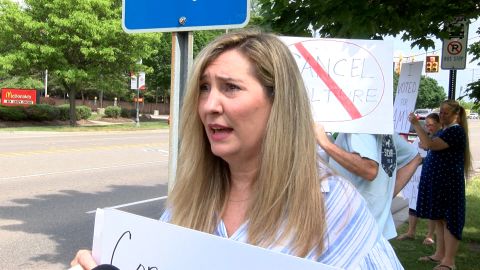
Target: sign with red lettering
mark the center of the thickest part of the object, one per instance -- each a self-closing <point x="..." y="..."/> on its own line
<point x="18" y="97"/>
<point x="349" y="82"/>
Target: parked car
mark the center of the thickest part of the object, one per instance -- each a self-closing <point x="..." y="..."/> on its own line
<point x="473" y="115"/>
<point x="412" y="134"/>
<point x="422" y="113"/>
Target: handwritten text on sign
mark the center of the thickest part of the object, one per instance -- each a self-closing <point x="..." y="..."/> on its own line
<point x="349" y="82"/>
<point x="407" y="92"/>
<point x="130" y="241"/>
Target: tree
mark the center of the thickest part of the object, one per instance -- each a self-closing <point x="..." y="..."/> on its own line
<point x="158" y="82"/>
<point x="76" y="40"/>
<point x="416" y="20"/>
<point x="23" y="83"/>
<point x="430" y="93"/>
<point x="473" y="88"/>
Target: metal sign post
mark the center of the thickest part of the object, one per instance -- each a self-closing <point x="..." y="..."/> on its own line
<point x="182" y="58"/>
<point x="137" y="105"/>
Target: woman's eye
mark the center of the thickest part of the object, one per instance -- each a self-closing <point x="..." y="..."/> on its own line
<point x="204" y="87"/>
<point x="231" y="87"/>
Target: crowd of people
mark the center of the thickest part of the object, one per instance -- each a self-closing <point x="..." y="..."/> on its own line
<point x="249" y="165"/>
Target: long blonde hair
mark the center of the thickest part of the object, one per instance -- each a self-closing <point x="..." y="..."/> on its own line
<point x="462" y="121"/>
<point x="288" y="204"/>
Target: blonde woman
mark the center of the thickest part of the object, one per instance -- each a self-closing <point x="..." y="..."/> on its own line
<point x="248" y="169"/>
<point x="441" y="194"/>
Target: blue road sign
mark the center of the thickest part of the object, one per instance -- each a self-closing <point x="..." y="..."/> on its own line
<point x="183" y="15"/>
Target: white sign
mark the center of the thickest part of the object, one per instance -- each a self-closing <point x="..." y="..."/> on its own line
<point x="349" y="82"/>
<point x="141" y="81"/>
<point x="406" y="97"/>
<point x="133" y="81"/>
<point x="129" y="241"/>
<point x="410" y="191"/>
<point x="454" y="49"/>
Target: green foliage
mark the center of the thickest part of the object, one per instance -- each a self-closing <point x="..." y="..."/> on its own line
<point x="82" y="112"/>
<point x="430" y="94"/>
<point x="417" y="20"/>
<point x="8" y="113"/>
<point x="113" y="111"/>
<point x="128" y="113"/>
<point x="473" y="88"/>
<point x="42" y="112"/>
<point x="22" y="83"/>
<point x="158" y="81"/>
<point x="63" y="112"/>
<point x="84" y="48"/>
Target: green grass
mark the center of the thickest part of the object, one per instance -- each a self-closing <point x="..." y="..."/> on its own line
<point x="468" y="256"/>
<point x="147" y="125"/>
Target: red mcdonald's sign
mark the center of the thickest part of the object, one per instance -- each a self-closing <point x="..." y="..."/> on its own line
<point x="18" y="97"/>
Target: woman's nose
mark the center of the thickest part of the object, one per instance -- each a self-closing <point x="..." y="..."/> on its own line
<point x="213" y="102"/>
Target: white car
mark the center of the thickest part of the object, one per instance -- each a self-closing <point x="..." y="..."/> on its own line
<point x="422" y="113"/>
<point x="473" y="115"/>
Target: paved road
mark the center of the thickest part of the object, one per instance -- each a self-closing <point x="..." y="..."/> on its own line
<point x="474" y="136"/>
<point x="51" y="182"/>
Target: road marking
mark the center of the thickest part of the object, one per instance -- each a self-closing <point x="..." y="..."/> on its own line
<point x="80" y="149"/>
<point x="82" y="170"/>
<point x="130" y="204"/>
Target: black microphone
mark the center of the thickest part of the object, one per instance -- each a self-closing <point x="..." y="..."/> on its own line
<point x="105" y="267"/>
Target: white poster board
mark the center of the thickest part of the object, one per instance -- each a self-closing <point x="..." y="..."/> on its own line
<point x="406" y="97"/>
<point x="410" y="191"/>
<point x="130" y="241"/>
<point x="349" y="82"/>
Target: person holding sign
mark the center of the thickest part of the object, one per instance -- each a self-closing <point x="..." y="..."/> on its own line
<point x="410" y="192"/>
<point x="441" y="194"/>
<point x="379" y="166"/>
<point x="248" y="168"/>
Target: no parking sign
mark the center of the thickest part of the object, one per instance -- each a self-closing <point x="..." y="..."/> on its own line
<point x="454" y="49"/>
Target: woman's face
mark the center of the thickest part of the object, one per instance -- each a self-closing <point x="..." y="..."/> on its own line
<point x="447" y="116"/>
<point x="234" y="108"/>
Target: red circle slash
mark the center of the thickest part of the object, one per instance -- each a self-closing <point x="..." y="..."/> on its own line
<point x="329" y="82"/>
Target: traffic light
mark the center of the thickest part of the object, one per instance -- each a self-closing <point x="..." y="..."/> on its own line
<point x="432" y="64"/>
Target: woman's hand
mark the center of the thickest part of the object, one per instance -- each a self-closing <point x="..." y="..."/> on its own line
<point x="84" y="259"/>
<point x="320" y="134"/>
<point x="413" y="119"/>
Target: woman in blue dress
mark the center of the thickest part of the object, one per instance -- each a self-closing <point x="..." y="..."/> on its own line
<point x="442" y="188"/>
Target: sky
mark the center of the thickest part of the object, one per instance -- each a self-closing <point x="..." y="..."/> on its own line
<point x="464" y="77"/>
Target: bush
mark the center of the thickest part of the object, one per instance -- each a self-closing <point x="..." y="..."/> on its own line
<point x="12" y="113"/>
<point x="128" y="113"/>
<point x="42" y="112"/>
<point x="82" y="112"/>
<point x="64" y="112"/>
<point x="113" y="111"/>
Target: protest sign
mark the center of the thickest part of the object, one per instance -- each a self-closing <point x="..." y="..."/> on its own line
<point x="406" y="97"/>
<point x="410" y="191"/>
<point x="130" y="241"/>
<point x="349" y="82"/>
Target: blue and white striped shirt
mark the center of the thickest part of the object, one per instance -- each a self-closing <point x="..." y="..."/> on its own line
<point x="352" y="239"/>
